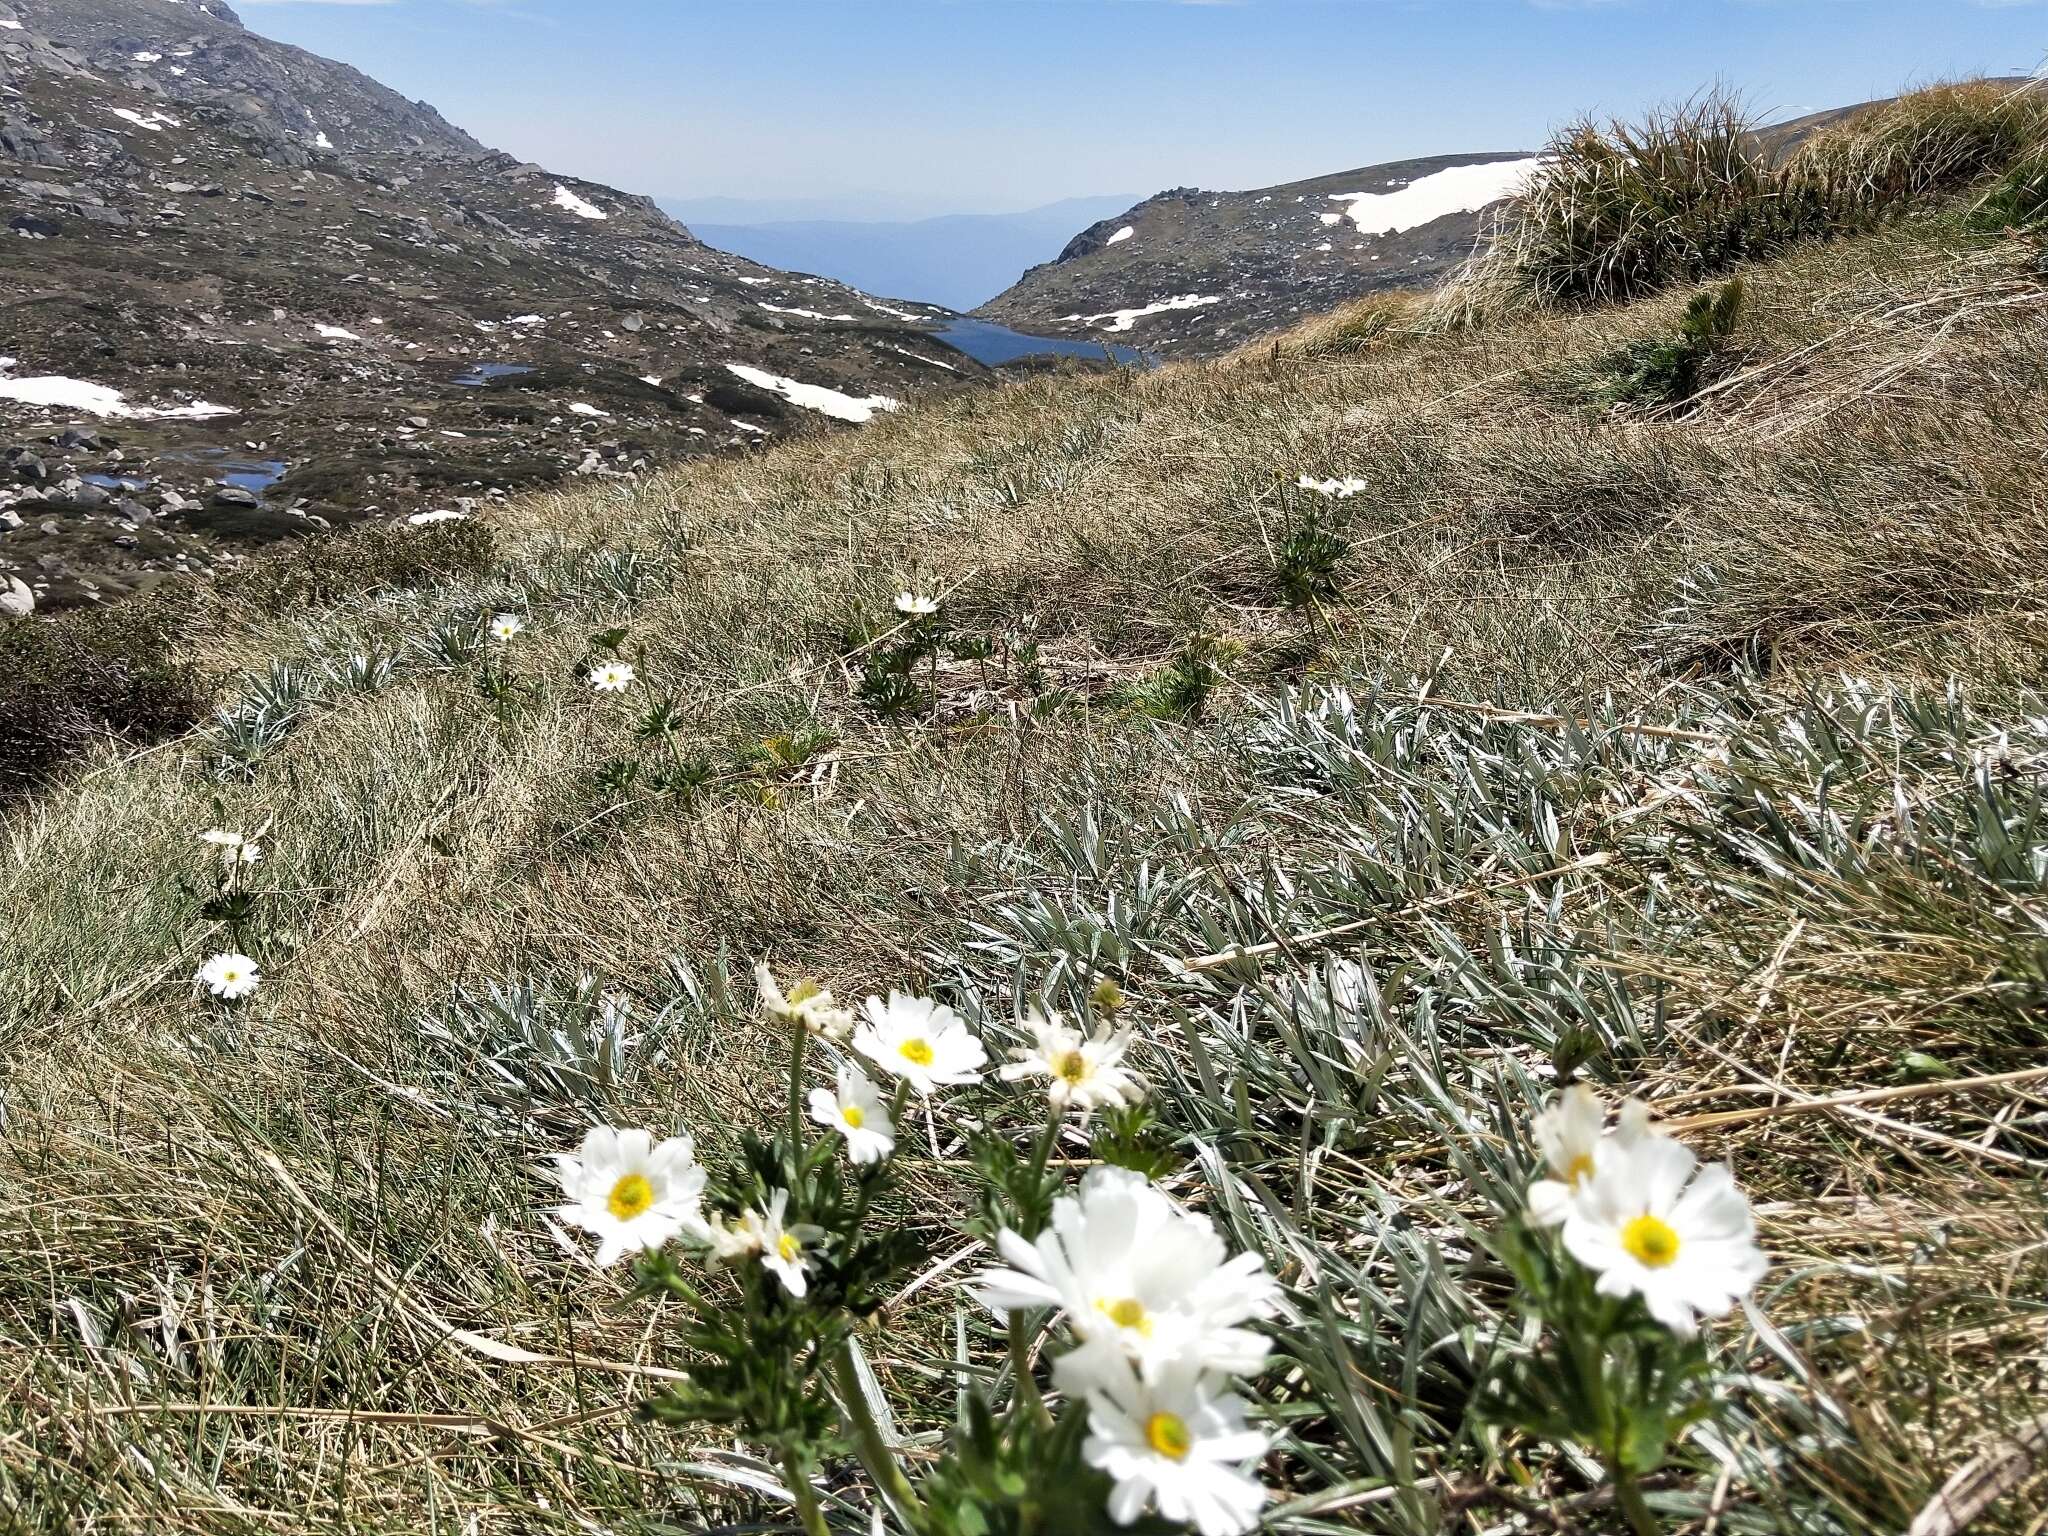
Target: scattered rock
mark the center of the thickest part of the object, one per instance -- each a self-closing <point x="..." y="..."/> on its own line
<point x="16" y="600"/>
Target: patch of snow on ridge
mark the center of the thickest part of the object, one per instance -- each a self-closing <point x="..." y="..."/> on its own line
<point x="335" y="333"/>
<point x="154" y="122"/>
<point x="801" y="314"/>
<point x="1461" y="189"/>
<point x="1120" y="236"/>
<point x="1124" y="319"/>
<point x="323" y="142"/>
<point x="9" y="24"/>
<point x="814" y="397"/>
<point x="146" y="57"/>
<point x="60" y="393"/>
<point x="571" y="203"/>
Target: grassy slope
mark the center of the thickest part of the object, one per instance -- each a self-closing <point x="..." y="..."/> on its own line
<point x="263" y="1218"/>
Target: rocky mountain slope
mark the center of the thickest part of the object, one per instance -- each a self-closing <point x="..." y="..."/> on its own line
<point x="249" y="293"/>
<point x="1195" y="273"/>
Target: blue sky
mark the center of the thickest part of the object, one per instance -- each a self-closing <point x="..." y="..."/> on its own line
<point x="921" y="106"/>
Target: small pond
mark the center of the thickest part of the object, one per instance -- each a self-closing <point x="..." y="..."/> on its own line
<point x="481" y="374"/>
<point x="990" y="344"/>
<point x="230" y="467"/>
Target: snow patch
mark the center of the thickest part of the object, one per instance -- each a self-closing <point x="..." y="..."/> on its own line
<point x="919" y="357"/>
<point x="1120" y="236"/>
<point x="153" y="122"/>
<point x="802" y="314"/>
<point x="571" y="203"/>
<point x="1461" y="189"/>
<point x="438" y="515"/>
<point x="336" y="333"/>
<point x="9" y="24"/>
<point x="322" y="141"/>
<point x="883" y="309"/>
<point x="59" y="393"/>
<point x="588" y="410"/>
<point x="146" y="57"/>
<point x="1124" y="319"/>
<point x="815" y="397"/>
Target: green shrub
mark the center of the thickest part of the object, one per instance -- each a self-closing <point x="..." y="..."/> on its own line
<point x="83" y="677"/>
<point x="1662" y="375"/>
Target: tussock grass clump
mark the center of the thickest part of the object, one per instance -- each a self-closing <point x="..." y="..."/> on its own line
<point x="1936" y="140"/>
<point x="1624" y="209"/>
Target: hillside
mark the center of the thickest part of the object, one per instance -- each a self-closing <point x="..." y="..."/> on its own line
<point x="1193" y="273"/>
<point x="274" y="297"/>
<point x="958" y="260"/>
<point x="1377" y="730"/>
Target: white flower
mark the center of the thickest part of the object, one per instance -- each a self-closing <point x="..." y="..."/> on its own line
<point x="234" y="848"/>
<point x="1686" y="1244"/>
<point x="230" y="976"/>
<point x="1081" y="1073"/>
<point x="505" y="627"/>
<point x="1127" y="1265"/>
<point x="1568" y="1134"/>
<point x="612" y="677"/>
<point x="925" y="1043"/>
<point x="915" y="605"/>
<point x="1178" y="1443"/>
<point x="630" y="1191"/>
<point x="855" y="1108"/>
<point x="806" y="1005"/>
<point x="763" y="1235"/>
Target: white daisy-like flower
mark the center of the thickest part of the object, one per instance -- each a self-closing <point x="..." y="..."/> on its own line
<point x="506" y="627"/>
<point x="230" y="976"/>
<point x="1654" y="1223"/>
<point x="1082" y="1073"/>
<point x="1178" y="1443"/>
<point x="630" y="1191"/>
<point x="923" y="1042"/>
<point x="1569" y="1135"/>
<point x="220" y="839"/>
<point x="915" y="605"/>
<point x="855" y="1108"/>
<point x="1126" y="1265"/>
<point x="783" y="1248"/>
<point x="805" y="1005"/>
<point x="611" y="677"/>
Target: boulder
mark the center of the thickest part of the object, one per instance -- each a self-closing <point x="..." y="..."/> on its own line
<point x="16" y="600"/>
<point x="235" y="496"/>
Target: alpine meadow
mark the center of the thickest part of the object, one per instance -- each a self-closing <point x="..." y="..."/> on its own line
<point x="1437" y="924"/>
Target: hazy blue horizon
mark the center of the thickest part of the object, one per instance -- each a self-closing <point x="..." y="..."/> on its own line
<point x="921" y="107"/>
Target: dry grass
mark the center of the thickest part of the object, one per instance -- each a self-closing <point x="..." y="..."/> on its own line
<point x="280" y="1270"/>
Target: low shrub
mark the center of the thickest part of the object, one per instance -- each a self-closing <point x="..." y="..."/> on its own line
<point x="83" y="677"/>
<point x="325" y="570"/>
<point x="2020" y="199"/>
<point x="1666" y="375"/>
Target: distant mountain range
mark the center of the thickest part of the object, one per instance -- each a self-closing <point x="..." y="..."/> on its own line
<point x="958" y="260"/>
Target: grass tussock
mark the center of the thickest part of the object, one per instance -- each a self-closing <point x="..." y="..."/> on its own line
<point x="1698" y="754"/>
<point x="1625" y="209"/>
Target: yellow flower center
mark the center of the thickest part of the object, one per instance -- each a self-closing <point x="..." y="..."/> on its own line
<point x="917" y="1051"/>
<point x="1581" y="1169"/>
<point x="853" y="1115"/>
<point x="1070" y="1067"/>
<point x="1127" y="1313"/>
<point x="1167" y="1433"/>
<point x="803" y="992"/>
<point x="1650" y="1241"/>
<point x="789" y="1247"/>
<point x="630" y="1197"/>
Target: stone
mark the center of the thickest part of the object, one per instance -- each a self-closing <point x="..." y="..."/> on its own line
<point x="235" y="496"/>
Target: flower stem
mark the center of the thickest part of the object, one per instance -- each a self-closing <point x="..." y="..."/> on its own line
<point x="1020" y="1366"/>
<point x="796" y="1085"/>
<point x="1628" y="1494"/>
<point x="875" y="1453"/>
<point x="806" y="1500"/>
